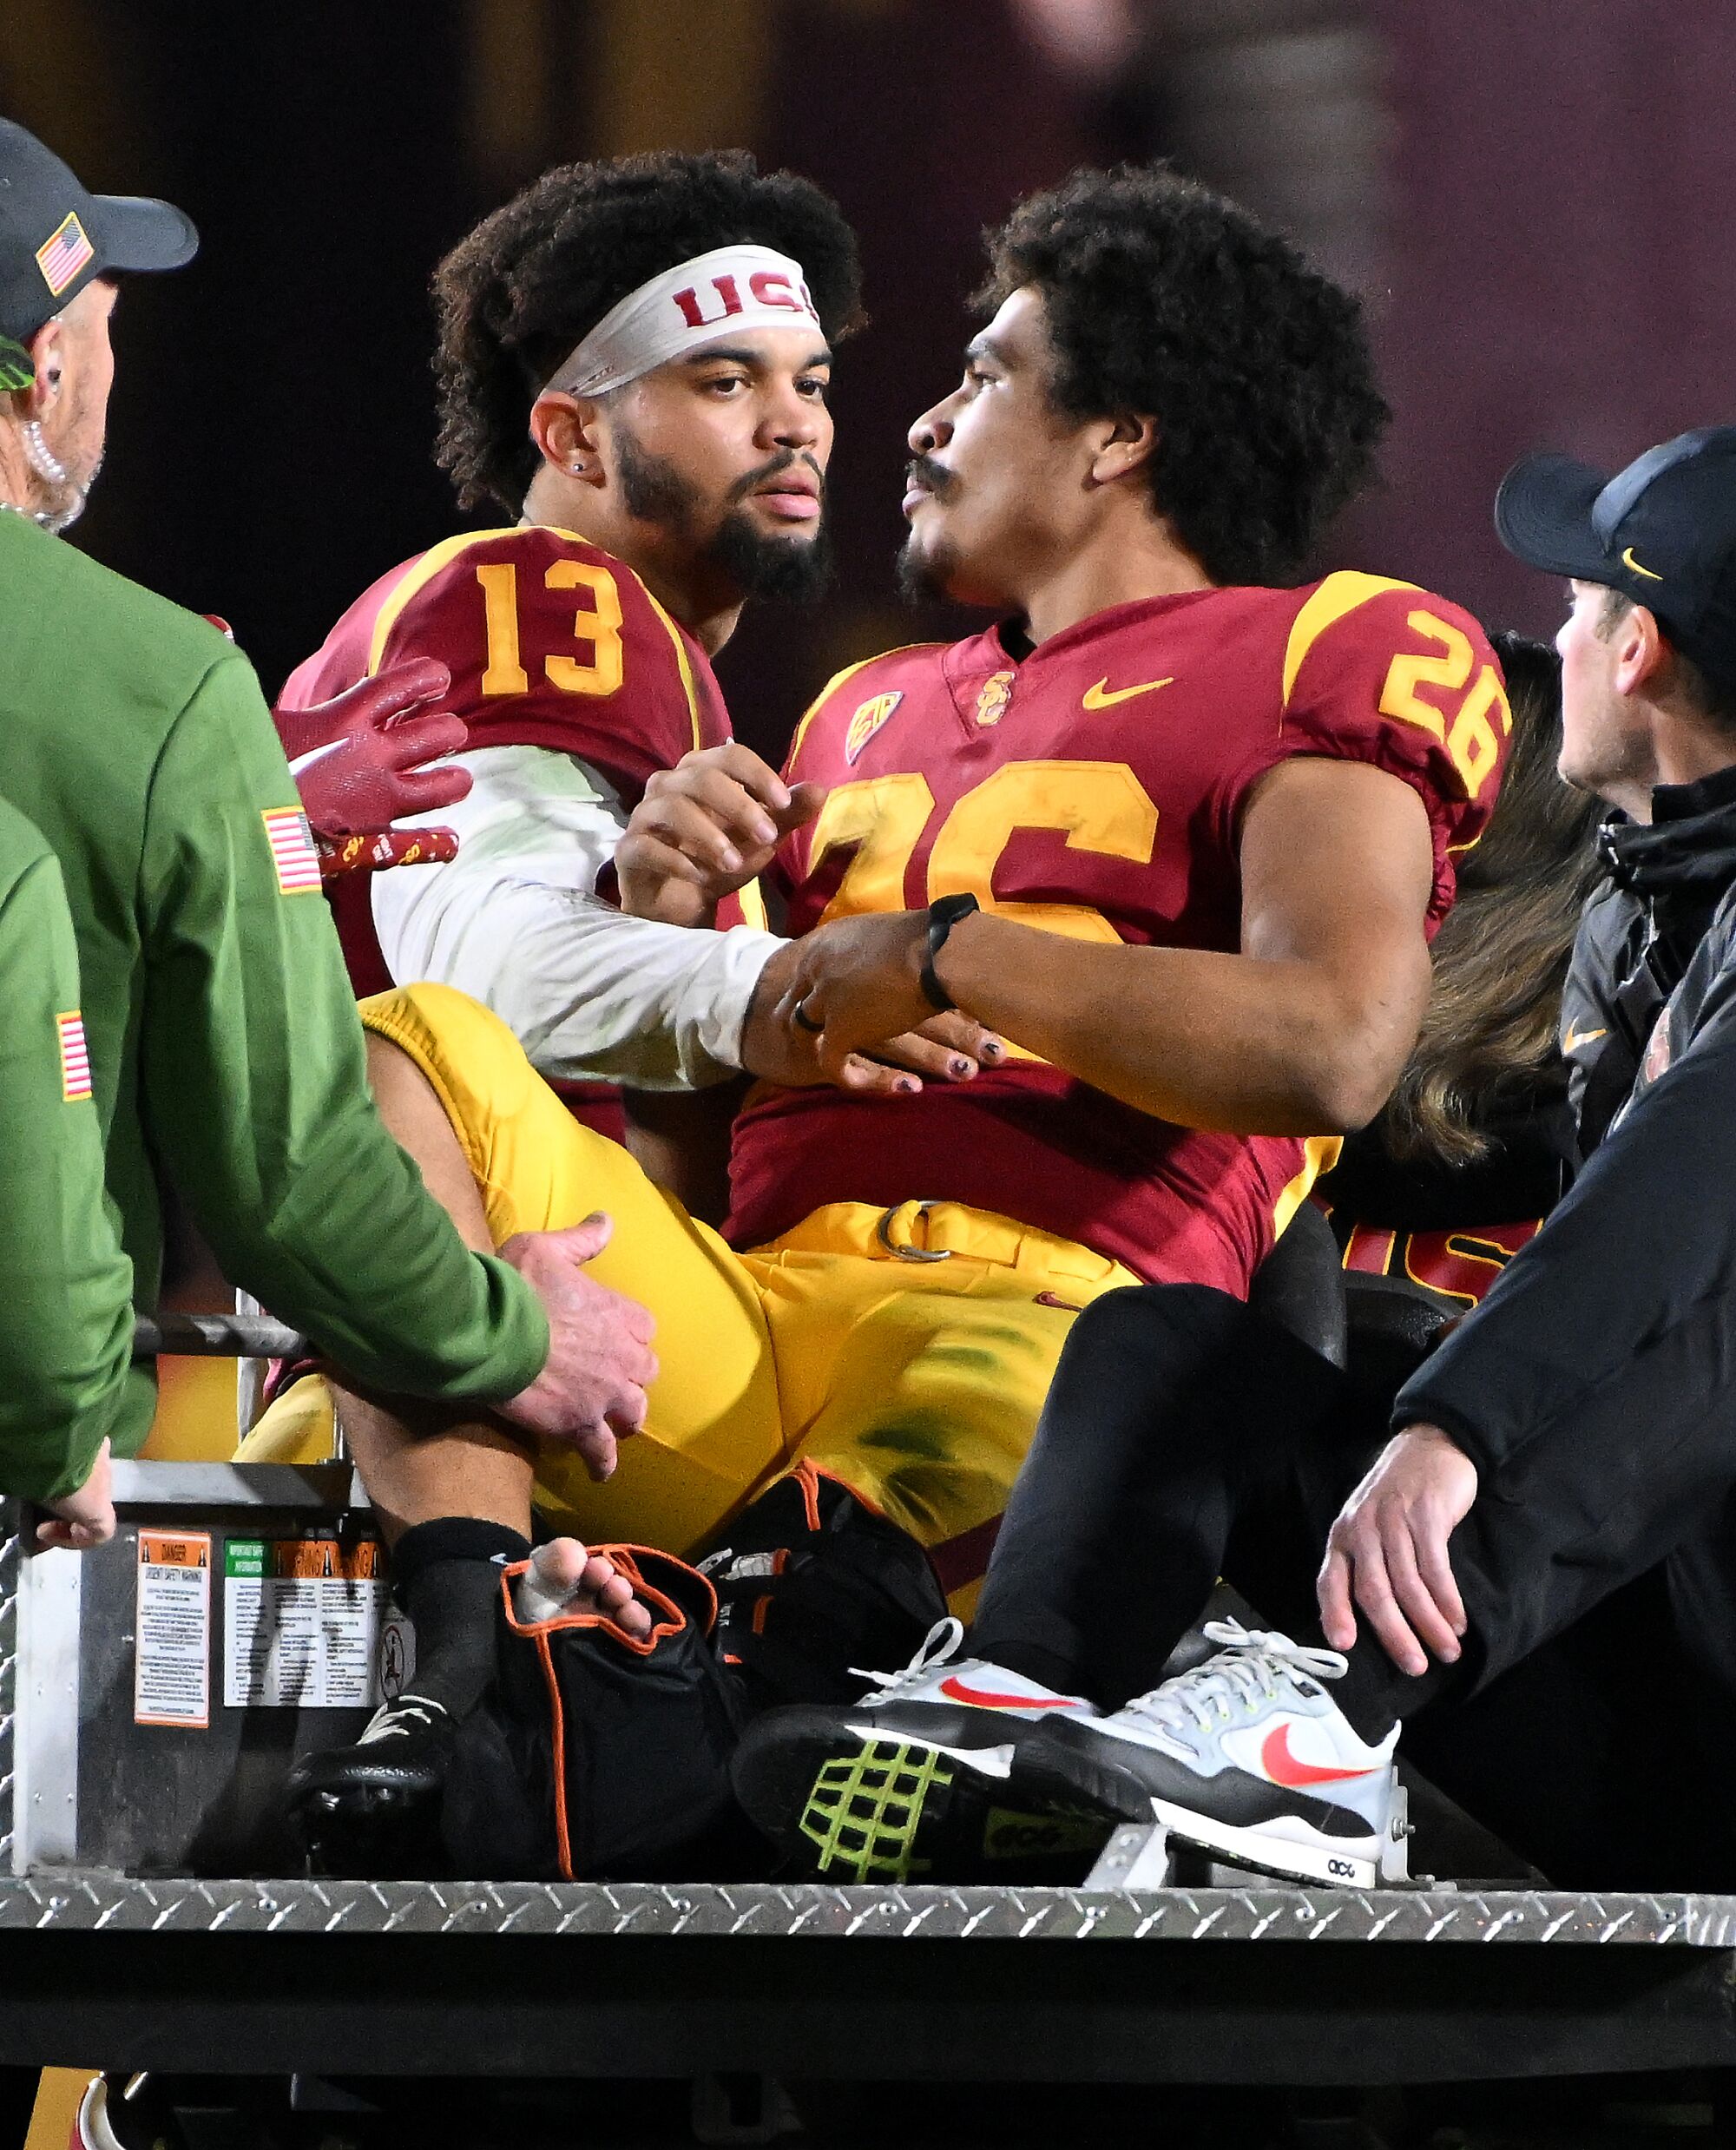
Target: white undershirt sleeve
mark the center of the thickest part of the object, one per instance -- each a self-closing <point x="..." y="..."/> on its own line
<point x="514" y="921"/>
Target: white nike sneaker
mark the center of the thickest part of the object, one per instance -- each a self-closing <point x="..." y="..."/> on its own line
<point x="924" y="1773"/>
<point x="1248" y="1758"/>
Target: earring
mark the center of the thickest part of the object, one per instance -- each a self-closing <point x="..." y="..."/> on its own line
<point x="41" y="458"/>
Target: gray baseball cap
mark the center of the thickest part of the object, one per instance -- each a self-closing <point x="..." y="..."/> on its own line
<point x="56" y="237"/>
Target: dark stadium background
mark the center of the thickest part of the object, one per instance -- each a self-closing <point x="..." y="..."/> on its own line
<point x="1533" y="200"/>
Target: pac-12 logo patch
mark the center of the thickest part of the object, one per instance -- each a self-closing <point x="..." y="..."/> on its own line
<point x="869" y="717"/>
<point x="992" y="697"/>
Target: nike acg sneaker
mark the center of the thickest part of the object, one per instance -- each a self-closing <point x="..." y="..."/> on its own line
<point x="1247" y="1758"/>
<point x="925" y="1778"/>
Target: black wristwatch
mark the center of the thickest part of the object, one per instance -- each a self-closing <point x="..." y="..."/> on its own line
<point x="944" y="914"/>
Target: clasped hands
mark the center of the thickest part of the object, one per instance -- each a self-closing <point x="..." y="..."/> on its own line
<point x="844" y="1004"/>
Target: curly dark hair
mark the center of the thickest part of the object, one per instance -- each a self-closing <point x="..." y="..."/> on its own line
<point x="1166" y="301"/>
<point x="532" y="281"/>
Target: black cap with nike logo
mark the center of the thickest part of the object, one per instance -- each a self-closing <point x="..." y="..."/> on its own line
<point x="56" y="237"/>
<point x="1662" y="531"/>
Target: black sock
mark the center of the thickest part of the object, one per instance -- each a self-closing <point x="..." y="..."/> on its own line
<point x="1374" y="1695"/>
<point x="1050" y="1668"/>
<point x="446" y="1576"/>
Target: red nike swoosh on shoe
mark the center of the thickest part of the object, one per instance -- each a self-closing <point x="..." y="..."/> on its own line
<point x="1282" y="1766"/>
<point x="981" y="1699"/>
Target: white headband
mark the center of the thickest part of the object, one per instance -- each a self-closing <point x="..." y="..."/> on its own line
<point x="696" y="303"/>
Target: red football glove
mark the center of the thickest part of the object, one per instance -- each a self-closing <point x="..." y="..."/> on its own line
<point x="361" y="758"/>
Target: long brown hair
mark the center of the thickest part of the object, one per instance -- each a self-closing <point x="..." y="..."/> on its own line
<point x="1488" y="1040"/>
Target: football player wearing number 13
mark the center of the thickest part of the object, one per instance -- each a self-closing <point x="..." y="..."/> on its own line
<point x="634" y="362"/>
<point x="1209" y="822"/>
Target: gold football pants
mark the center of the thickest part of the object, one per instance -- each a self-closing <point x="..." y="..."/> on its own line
<point x="905" y="1352"/>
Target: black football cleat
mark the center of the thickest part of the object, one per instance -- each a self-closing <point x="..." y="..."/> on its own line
<point x="373" y="1810"/>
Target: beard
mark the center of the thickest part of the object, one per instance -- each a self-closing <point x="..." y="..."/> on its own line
<point x="778" y="570"/>
<point x="924" y="577"/>
<point x="62" y="487"/>
<point x="788" y="570"/>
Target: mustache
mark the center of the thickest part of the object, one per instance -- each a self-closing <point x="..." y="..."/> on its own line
<point x="932" y="477"/>
<point x="789" y="460"/>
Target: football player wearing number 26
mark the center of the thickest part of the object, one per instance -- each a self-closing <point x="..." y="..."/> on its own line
<point x="1208" y="823"/>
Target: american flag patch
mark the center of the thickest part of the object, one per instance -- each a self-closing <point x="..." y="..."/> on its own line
<point x="74" y="1058"/>
<point x="293" y="852"/>
<point x="63" y="256"/>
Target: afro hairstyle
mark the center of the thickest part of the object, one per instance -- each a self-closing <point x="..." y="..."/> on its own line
<point x="1163" y="299"/>
<point x="530" y="282"/>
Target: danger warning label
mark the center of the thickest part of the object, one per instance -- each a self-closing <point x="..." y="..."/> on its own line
<point x="172" y="1664"/>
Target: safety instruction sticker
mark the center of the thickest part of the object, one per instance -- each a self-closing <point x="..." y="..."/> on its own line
<point x="302" y="1623"/>
<point x="172" y="1659"/>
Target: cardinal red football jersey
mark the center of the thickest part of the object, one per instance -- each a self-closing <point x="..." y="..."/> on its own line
<point x="551" y="643"/>
<point x="1094" y="787"/>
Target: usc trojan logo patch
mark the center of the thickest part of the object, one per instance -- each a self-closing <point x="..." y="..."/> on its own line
<point x="992" y="697"/>
<point x="867" y="722"/>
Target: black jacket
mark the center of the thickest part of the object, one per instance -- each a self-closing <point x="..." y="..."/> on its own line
<point x="1627" y="1296"/>
<point x="1639" y="930"/>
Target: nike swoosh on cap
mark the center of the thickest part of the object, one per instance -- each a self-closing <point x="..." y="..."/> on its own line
<point x="1102" y="696"/>
<point x="982" y="1699"/>
<point x="1284" y="1768"/>
<point x="1628" y="561"/>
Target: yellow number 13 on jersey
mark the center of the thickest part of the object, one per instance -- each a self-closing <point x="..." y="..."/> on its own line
<point x="599" y="625"/>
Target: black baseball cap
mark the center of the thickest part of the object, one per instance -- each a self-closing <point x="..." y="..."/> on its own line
<point x="56" y="237"/>
<point x="1663" y="532"/>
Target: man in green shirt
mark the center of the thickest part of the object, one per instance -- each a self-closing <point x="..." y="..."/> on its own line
<point x="66" y="1341"/>
<point x="224" y="1050"/>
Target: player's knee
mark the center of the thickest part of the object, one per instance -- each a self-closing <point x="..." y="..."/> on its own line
<point x="407" y="1099"/>
<point x="1150" y="1320"/>
<point x="439" y="1026"/>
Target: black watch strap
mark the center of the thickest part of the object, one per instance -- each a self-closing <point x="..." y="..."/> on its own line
<point x="944" y="914"/>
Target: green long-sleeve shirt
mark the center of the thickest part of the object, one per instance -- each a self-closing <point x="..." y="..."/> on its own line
<point x="225" y="1047"/>
<point x="66" y="1289"/>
